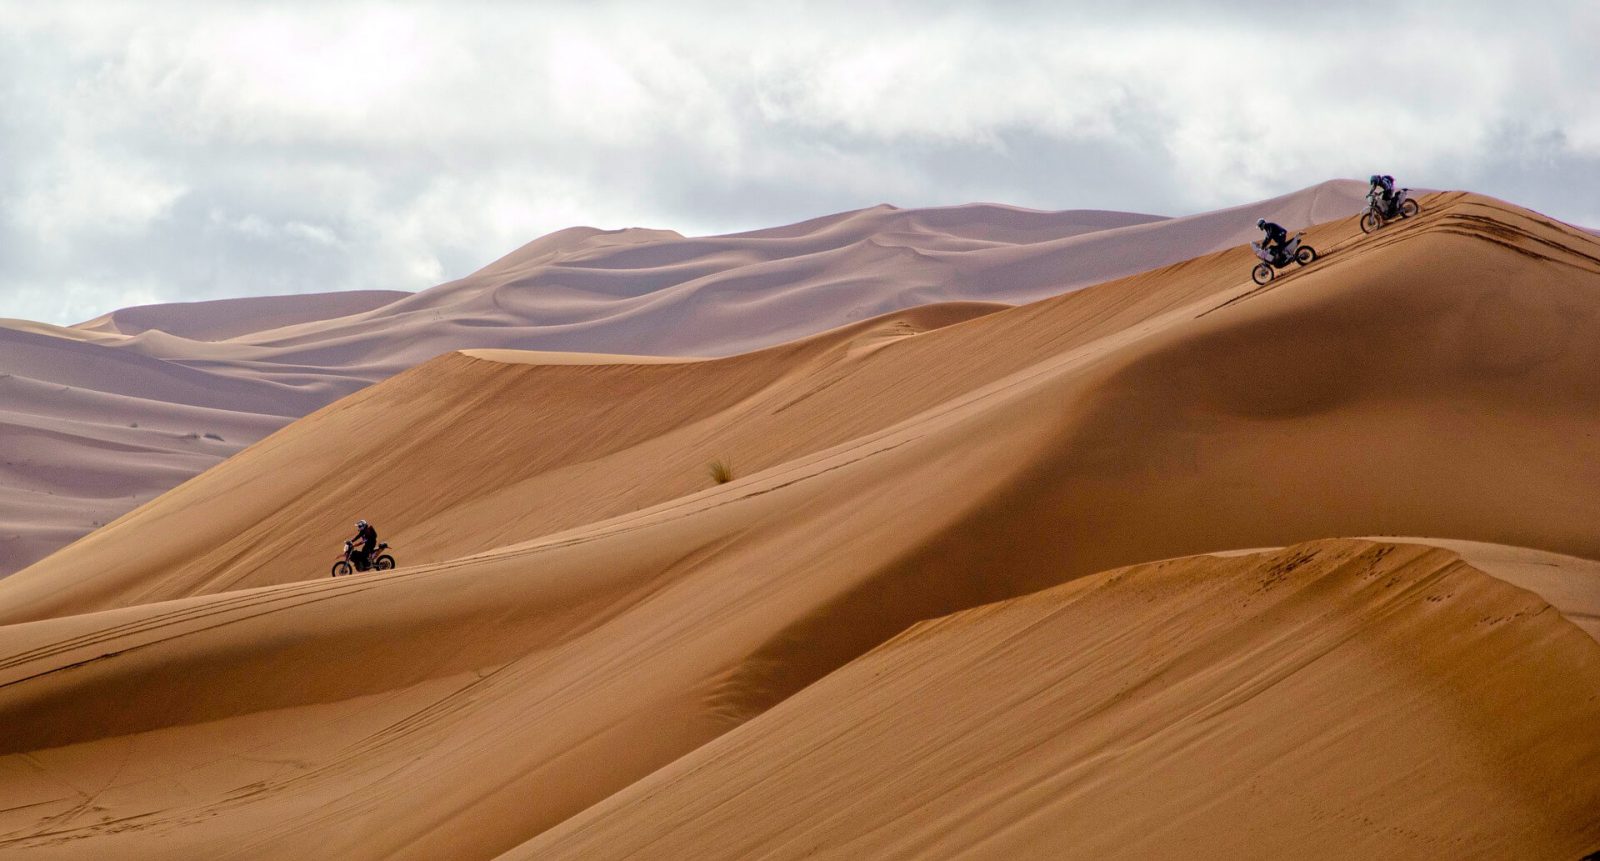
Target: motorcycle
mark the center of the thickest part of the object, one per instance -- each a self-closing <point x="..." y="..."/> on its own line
<point x="1293" y="252"/>
<point x="349" y="563"/>
<point x="1377" y="215"/>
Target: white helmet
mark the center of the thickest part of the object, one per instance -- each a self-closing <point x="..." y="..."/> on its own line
<point x="361" y="524"/>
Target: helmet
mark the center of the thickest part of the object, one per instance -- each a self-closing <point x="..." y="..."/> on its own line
<point x="1261" y="222"/>
<point x="361" y="524"/>
<point x="1375" y="179"/>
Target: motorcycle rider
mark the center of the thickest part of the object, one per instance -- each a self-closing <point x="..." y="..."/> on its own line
<point x="1276" y="239"/>
<point x="361" y="556"/>
<point x="1385" y="186"/>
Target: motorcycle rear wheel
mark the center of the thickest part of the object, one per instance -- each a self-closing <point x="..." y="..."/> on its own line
<point x="341" y="568"/>
<point x="1261" y="274"/>
<point x="1409" y="207"/>
<point x="1370" y="222"/>
<point x="384" y="562"/>
<point x="1305" y="255"/>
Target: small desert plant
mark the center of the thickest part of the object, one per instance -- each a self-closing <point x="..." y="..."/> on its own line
<point x="721" y="471"/>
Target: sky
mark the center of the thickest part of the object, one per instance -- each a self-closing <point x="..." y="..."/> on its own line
<point x="157" y="152"/>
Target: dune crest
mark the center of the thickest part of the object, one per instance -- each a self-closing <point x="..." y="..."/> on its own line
<point x="624" y="292"/>
<point x="588" y="621"/>
<point x="1300" y="702"/>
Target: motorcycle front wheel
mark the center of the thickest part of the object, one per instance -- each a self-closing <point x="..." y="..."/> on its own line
<point x="384" y="562"/>
<point x="1409" y="207"/>
<point x="1370" y="222"/>
<point x="341" y="568"/>
<point x="1305" y="255"/>
<point x="1261" y="274"/>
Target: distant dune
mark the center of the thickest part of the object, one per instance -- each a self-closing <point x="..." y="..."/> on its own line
<point x="223" y="319"/>
<point x="240" y="368"/>
<point x="907" y="626"/>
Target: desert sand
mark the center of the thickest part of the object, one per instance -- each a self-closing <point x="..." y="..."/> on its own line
<point x="906" y="627"/>
<point x="1076" y="722"/>
<point x="111" y="412"/>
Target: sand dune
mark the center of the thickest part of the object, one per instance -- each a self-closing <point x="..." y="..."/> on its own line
<point x="222" y="319"/>
<point x="1329" y="700"/>
<point x="630" y="291"/>
<point x="593" y="648"/>
<point x="1345" y="407"/>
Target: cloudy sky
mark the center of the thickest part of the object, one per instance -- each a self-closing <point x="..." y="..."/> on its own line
<point x="159" y="152"/>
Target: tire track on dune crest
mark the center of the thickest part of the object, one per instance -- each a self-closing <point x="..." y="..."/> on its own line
<point x="133" y="626"/>
<point x="1505" y="235"/>
<point x="173" y="620"/>
<point x="1447" y="212"/>
<point x="1333" y="255"/>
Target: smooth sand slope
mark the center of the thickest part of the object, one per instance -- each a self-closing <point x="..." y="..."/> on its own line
<point x="580" y="607"/>
<point x="223" y="319"/>
<point x="252" y="365"/>
<point x="1337" y="699"/>
<point x="1347" y="405"/>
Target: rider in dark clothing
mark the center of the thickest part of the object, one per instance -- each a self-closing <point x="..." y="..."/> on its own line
<point x="1384" y="185"/>
<point x="1276" y="239"/>
<point x="368" y="541"/>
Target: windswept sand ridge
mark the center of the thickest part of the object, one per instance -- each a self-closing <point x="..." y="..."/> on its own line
<point x="399" y="448"/>
<point x="1567" y="582"/>
<point x="592" y="608"/>
<point x="721" y="295"/>
<point x="633" y="291"/>
<point x="222" y="319"/>
<point x="1333" y="699"/>
<point x="1347" y="402"/>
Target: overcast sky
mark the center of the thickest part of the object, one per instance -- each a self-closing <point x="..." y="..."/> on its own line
<point x="160" y="152"/>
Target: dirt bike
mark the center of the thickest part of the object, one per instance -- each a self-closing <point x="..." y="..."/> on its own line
<point x="1292" y="252"/>
<point x="350" y="563"/>
<point x="1377" y="215"/>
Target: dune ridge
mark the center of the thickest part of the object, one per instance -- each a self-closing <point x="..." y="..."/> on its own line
<point x="1296" y="702"/>
<point x="1129" y="387"/>
<point x="586" y="625"/>
<point x="633" y="291"/>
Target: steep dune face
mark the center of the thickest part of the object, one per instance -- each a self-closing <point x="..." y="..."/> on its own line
<point x="1333" y="699"/>
<point x="580" y="606"/>
<point x="631" y="291"/>
<point x="1431" y="381"/>
<point x="1338" y="401"/>
<point x="1567" y="582"/>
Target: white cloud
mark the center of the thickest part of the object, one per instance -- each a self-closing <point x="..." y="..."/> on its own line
<point x="83" y="189"/>
<point x="197" y="151"/>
